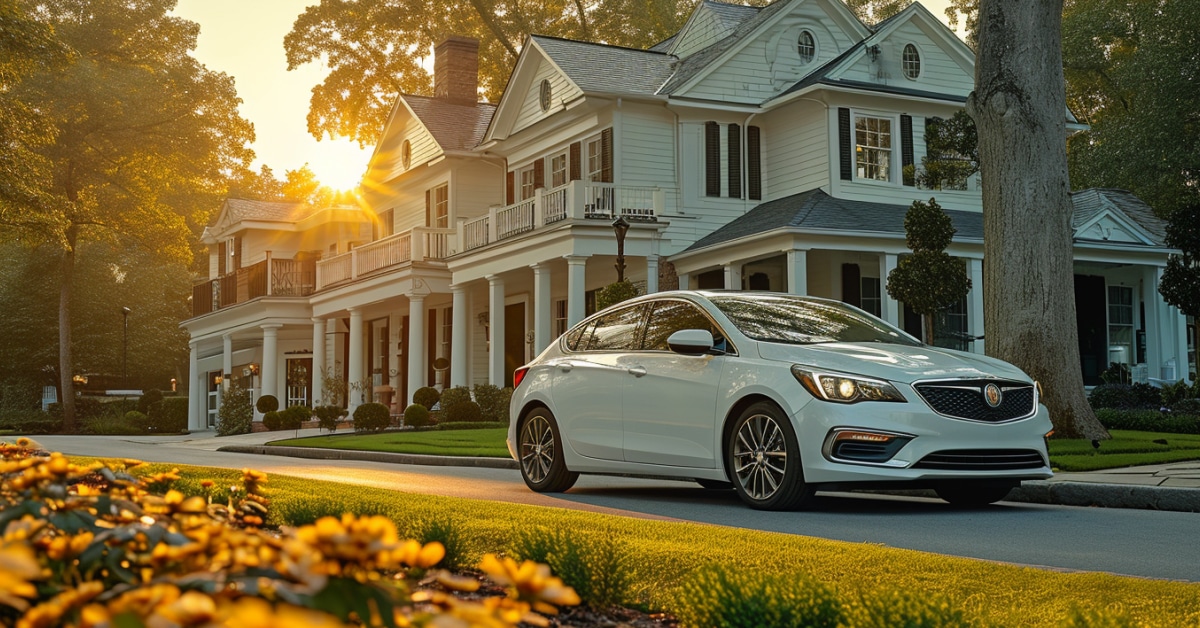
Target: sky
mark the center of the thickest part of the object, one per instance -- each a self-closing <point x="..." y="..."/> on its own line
<point x="244" y="39"/>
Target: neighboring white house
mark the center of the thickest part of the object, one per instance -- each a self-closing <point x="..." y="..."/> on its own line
<point x="767" y="148"/>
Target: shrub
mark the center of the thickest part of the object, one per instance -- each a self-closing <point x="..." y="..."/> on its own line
<point x="899" y="608"/>
<point x="615" y="293"/>
<point x="427" y="396"/>
<point x="30" y="422"/>
<point x="443" y="530"/>
<point x="454" y="396"/>
<point x="493" y="401"/>
<point x="1148" y="421"/>
<point x="719" y="596"/>
<point x="273" y="421"/>
<point x="148" y="404"/>
<point x="595" y="566"/>
<point x="266" y="403"/>
<point x="137" y="420"/>
<point x="371" y="417"/>
<point x="1136" y="396"/>
<point x="85" y="408"/>
<point x="294" y="416"/>
<point x="1186" y="406"/>
<point x="235" y="415"/>
<point x="463" y="412"/>
<point x="172" y="416"/>
<point x="327" y="416"/>
<point x="111" y="425"/>
<point x="416" y="415"/>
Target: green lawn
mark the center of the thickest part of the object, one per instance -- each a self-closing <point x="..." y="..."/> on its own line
<point x="1126" y="449"/>
<point x="488" y="443"/>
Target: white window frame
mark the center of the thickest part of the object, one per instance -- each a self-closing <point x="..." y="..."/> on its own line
<point x="889" y="152"/>
<point x="526" y="187"/>
<point x="558" y="175"/>
<point x="593" y="156"/>
<point x="560" y="317"/>
<point x="1131" y="308"/>
<point x="440" y="210"/>
<point x="799" y="41"/>
<point x="873" y="301"/>
<point x="905" y="63"/>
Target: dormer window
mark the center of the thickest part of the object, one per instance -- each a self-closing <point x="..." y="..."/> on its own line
<point x="806" y="46"/>
<point x="911" y="62"/>
<point x="544" y="95"/>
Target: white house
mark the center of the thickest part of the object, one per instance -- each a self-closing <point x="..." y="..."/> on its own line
<point x="767" y="148"/>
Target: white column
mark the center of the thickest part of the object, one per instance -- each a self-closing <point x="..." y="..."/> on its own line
<point x="417" y="366"/>
<point x="542" y="316"/>
<point x="460" y="335"/>
<point x="496" y="330"/>
<point x="797" y="271"/>
<point x="651" y="274"/>
<point x="355" y="395"/>
<point x="576" y="287"/>
<point x="318" y="364"/>
<point x="733" y="276"/>
<point x="1178" y="322"/>
<point x="196" y="390"/>
<point x="1151" y="301"/>
<point x="975" y="303"/>
<point x="685" y="281"/>
<point x="270" y="362"/>
<point x="889" y="307"/>
<point x="226" y="360"/>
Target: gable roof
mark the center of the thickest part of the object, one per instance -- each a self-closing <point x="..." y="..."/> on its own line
<point x="694" y="64"/>
<point x="454" y="126"/>
<point x="1092" y="203"/>
<point x="604" y="68"/>
<point x="722" y="17"/>
<point x="240" y="209"/>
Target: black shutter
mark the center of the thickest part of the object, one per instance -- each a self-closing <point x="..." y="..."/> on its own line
<point x="712" y="159"/>
<point x="222" y="262"/>
<point x="754" y="162"/>
<point x="851" y="285"/>
<point x="906" y="150"/>
<point x="237" y="253"/>
<point x="734" y="139"/>
<point x="539" y="174"/>
<point x="606" y="156"/>
<point x="509" y="190"/>
<point x="576" y="161"/>
<point x="845" y="147"/>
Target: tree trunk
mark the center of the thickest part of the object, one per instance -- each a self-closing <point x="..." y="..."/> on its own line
<point x="66" y="369"/>
<point x="928" y="328"/>
<point x="1019" y="107"/>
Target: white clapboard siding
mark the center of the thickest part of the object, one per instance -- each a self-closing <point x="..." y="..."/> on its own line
<point x="796" y="151"/>
<point x="939" y="73"/>
<point x="702" y="30"/>
<point x="561" y="90"/>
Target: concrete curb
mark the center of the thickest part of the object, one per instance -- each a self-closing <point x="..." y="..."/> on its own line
<point x="1062" y="493"/>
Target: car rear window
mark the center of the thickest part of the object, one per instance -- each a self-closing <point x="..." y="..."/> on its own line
<point x="796" y="320"/>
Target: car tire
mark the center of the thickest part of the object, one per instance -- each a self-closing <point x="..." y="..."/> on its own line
<point x="540" y="454"/>
<point x="972" y="494"/>
<point x="762" y="457"/>
<point x="715" y="485"/>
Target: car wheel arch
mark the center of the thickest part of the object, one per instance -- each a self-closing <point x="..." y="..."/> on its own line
<point x="530" y="407"/>
<point x="732" y="415"/>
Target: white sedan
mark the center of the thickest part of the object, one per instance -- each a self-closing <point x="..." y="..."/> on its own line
<point x="776" y="395"/>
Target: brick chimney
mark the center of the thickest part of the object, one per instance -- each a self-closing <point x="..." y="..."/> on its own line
<point x="456" y="70"/>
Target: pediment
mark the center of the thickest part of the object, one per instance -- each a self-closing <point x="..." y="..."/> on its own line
<point x="1111" y="226"/>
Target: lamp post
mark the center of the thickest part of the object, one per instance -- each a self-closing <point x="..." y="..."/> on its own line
<point x="125" y="348"/>
<point x="621" y="227"/>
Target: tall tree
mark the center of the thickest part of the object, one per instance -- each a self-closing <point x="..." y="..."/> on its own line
<point x="143" y="137"/>
<point x="1180" y="285"/>
<point x="1018" y="106"/>
<point x="929" y="280"/>
<point x="875" y="11"/>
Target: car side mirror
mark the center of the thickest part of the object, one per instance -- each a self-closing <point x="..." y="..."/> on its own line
<point x="691" y="341"/>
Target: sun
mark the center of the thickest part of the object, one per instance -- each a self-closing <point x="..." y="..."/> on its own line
<point x="339" y="164"/>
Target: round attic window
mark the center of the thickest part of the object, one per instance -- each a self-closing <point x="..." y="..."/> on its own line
<point x="544" y="95"/>
<point x="406" y="154"/>
<point x="911" y="62"/>
<point x="806" y="45"/>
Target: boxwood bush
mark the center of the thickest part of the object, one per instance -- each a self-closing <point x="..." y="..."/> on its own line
<point x="493" y="401"/>
<point x="1149" y="421"/>
<point x="416" y="415"/>
<point x="273" y="420"/>
<point x="327" y="416"/>
<point x="454" y="396"/>
<point x="463" y="412"/>
<point x="427" y="396"/>
<point x="266" y="403"/>
<point x="172" y="415"/>
<point x="371" y="417"/>
<point x="1125" y="396"/>
<point x="294" y="416"/>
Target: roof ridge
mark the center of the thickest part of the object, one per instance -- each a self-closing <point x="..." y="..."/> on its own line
<point x="603" y="45"/>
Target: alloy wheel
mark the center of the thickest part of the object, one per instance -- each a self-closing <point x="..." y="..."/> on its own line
<point x="537" y="448"/>
<point x="760" y="456"/>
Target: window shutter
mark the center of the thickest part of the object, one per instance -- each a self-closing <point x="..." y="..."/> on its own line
<point x="606" y="156"/>
<point x="845" y="147"/>
<point x="754" y="162"/>
<point x="237" y="253"/>
<point x="906" y="150"/>
<point x="712" y="159"/>
<point x="576" y="161"/>
<point x="429" y="207"/>
<point x="510" y="191"/>
<point x="539" y="174"/>
<point x="851" y="285"/>
<point x="222" y="253"/>
<point x="734" y="141"/>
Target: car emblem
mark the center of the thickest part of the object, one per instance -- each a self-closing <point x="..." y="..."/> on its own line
<point x="992" y="395"/>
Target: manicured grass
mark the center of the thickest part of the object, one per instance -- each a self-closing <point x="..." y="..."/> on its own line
<point x="663" y="554"/>
<point x="1126" y="449"/>
<point x="487" y="443"/>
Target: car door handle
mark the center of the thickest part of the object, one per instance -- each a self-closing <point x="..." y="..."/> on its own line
<point x="637" y="371"/>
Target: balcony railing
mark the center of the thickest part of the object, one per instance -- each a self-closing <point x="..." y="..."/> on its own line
<point x="417" y="245"/>
<point x="287" y="278"/>
<point x="575" y="200"/>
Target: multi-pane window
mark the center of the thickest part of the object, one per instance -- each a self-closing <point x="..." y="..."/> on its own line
<point x="560" y="317"/>
<point x="870" y="299"/>
<point x="950" y="327"/>
<point x="558" y="170"/>
<point x="910" y="62"/>
<point x="873" y="148"/>
<point x="595" y="160"/>
<point x="440" y="212"/>
<point x="528" y="183"/>
<point x="806" y="46"/>
<point x="1120" y="325"/>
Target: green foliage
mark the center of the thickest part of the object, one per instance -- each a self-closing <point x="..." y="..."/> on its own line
<point x="615" y="293"/>
<point x="908" y="609"/>
<point x="1125" y="396"/>
<point x="416" y="415"/>
<point x="952" y="153"/>
<point x="1172" y="393"/>
<point x="266" y="403"/>
<point x="463" y="412"/>
<point x="1186" y="406"/>
<point x="294" y="416"/>
<point x="427" y="396"/>
<point x="172" y="417"/>
<point x="85" y="408"/>
<point x="327" y="416"/>
<point x="445" y="531"/>
<point x="493" y="401"/>
<point x="596" y="566"/>
<point x="1180" y="284"/>
<point x="738" y="598"/>
<point x="371" y="417"/>
<point x="132" y="422"/>
<point x="336" y="388"/>
<point x="273" y="420"/>
<point x="929" y="280"/>
<point x="235" y="415"/>
<point x="454" y="396"/>
<point x="150" y="401"/>
<point x="875" y="11"/>
<point x="30" y="422"/>
<point x="1149" y="421"/>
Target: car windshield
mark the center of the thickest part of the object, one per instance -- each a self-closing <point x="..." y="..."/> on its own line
<point x="798" y="321"/>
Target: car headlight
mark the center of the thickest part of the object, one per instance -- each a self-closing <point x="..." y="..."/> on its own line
<point x="843" y="388"/>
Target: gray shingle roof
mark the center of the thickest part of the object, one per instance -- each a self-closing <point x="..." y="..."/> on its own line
<point x="1090" y="202"/>
<point x="240" y="209"/>
<point x="604" y="68"/>
<point x="692" y="65"/>
<point x="453" y="126"/>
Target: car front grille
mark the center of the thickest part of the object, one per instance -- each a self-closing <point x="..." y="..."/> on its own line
<point x="982" y="460"/>
<point x="964" y="399"/>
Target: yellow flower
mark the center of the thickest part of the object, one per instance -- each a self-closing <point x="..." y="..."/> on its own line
<point x="252" y="612"/>
<point x="18" y="568"/>
<point x="50" y="612"/>
<point x="531" y="581"/>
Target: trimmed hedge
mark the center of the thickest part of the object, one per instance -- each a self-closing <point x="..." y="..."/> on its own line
<point x="1125" y="396"/>
<point x="294" y="416"/>
<point x="427" y="396"/>
<point x="327" y="416"/>
<point x="172" y="415"/>
<point x="30" y="422"/>
<point x="416" y="415"/>
<point x="273" y="420"/>
<point x="266" y="403"/>
<point x="454" y="396"/>
<point x="1149" y="421"/>
<point x="371" y="417"/>
<point x="463" y="412"/>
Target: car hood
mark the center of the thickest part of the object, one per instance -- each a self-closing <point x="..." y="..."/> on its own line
<point x="893" y="362"/>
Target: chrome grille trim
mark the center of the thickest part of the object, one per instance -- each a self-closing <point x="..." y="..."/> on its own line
<point x="962" y="399"/>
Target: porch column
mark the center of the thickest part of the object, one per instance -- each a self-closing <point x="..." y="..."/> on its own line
<point x="496" y="330"/>
<point x="651" y="274"/>
<point x="1178" y="322"/>
<point x="226" y="360"/>
<point x="975" y="303"/>
<point x="354" y="395"/>
<point x="270" y="361"/>
<point x="576" y="287"/>
<point x="417" y="366"/>
<point x="797" y="271"/>
<point x="196" y="390"/>
<point x="460" y="335"/>
<point x="318" y="365"/>
<point x="541" y="307"/>
<point x="685" y="281"/>
<point x="733" y="276"/>
<point x="889" y="307"/>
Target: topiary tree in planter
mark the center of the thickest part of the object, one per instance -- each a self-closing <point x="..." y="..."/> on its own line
<point x="427" y="396"/>
<point x="929" y="280"/>
<point x="236" y="413"/>
<point x="266" y="403"/>
<point x="416" y="415"/>
<point x="371" y="417"/>
<point x="615" y="293"/>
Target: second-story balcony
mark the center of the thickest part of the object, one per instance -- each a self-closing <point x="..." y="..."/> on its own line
<point x="576" y="200"/>
<point x="419" y="244"/>
<point x="286" y="278"/>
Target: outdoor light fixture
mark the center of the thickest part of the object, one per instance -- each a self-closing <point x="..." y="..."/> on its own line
<point x="620" y="227"/>
<point x="125" y="348"/>
<point x="253" y="368"/>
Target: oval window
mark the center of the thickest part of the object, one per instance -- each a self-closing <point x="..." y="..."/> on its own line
<point x="806" y="46"/>
<point x="406" y="154"/>
<point x="544" y="95"/>
<point x="911" y="63"/>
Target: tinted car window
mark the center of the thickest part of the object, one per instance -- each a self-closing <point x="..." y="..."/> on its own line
<point x="572" y="337"/>
<point x="616" y="331"/>
<point x="793" y="320"/>
<point x="670" y="316"/>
